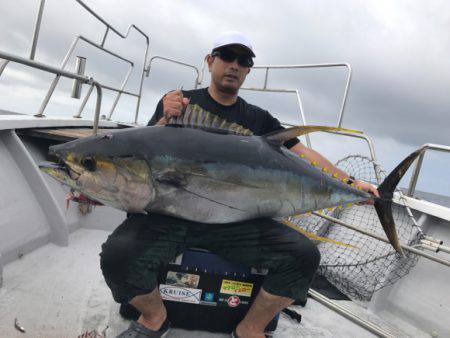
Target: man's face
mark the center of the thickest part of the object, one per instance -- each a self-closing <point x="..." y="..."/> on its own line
<point x="228" y="76"/>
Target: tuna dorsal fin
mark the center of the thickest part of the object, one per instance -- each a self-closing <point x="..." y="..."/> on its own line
<point x="283" y="135"/>
<point x="196" y="117"/>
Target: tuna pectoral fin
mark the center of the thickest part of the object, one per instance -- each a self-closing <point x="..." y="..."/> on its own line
<point x="383" y="205"/>
<point x="283" y="135"/>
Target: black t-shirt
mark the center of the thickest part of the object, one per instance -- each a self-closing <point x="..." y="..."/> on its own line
<point x="251" y="117"/>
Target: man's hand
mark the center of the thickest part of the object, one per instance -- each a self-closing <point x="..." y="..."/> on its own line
<point x="368" y="188"/>
<point x="173" y="105"/>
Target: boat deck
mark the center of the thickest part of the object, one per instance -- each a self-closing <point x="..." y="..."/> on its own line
<point x="64" y="134"/>
<point x="60" y="292"/>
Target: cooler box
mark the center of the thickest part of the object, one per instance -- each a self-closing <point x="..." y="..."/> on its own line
<point x="201" y="291"/>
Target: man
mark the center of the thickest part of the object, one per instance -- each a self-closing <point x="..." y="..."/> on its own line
<point x="133" y="253"/>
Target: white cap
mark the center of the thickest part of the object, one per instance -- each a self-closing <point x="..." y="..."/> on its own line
<point x="233" y="38"/>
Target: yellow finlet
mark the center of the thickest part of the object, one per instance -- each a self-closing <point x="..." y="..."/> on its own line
<point x="335" y="175"/>
<point x="325" y="169"/>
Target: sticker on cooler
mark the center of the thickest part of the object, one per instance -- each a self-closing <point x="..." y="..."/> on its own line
<point x="180" y="294"/>
<point x="232" y="287"/>
<point x="182" y="279"/>
<point x="233" y="301"/>
<point x="208" y="296"/>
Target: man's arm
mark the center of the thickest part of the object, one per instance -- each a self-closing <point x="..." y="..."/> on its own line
<point x="310" y="155"/>
<point x="321" y="162"/>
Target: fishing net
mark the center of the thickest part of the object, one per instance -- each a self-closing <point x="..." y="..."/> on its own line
<point x="366" y="264"/>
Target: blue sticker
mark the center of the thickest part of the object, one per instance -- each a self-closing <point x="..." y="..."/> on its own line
<point x="208" y="296"/>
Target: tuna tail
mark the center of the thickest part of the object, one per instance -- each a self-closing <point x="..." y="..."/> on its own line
<point x="383" y="204"/>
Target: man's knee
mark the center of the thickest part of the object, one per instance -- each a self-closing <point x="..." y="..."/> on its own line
<point x="306" y="255"/>
<point x="118" y="248"/>
<point x="120" y="254"/>
<point x="132" y="254"/>
<point x="297" y="267"/>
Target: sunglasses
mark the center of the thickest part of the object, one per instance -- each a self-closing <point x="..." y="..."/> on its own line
<point x="228" y="55"/>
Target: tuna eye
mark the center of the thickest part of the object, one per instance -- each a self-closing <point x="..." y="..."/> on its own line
<point x="89" y="163"/>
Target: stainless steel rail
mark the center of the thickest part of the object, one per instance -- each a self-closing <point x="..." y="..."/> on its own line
<point x="62" y="72"/>
<point x="79" y="69"/>
<point x="100" y="46"/>
<point x="37" y="28"/>
<point x="434" y="245"/>
<point x="3" y="64"/>
<point x="86" y="98"/>
<point x="158" y="57"/>
<point x="375" y="329"/>
<point x="300" y="66"/>
<point x="299" y="102"/>
<point x="123" y="36"/>
<point x="55" y="81"/>
<point x="119" y="93"/>
<point x="418" y="166"/>
<point x="318" y="65"/>
<point x="383" y="239"/>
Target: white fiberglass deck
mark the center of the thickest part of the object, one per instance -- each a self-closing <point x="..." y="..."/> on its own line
<point x="60" y="292"/>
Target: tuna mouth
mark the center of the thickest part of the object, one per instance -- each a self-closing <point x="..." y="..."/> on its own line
<point x="60" y="171"/>
<point x="50" y="166"/>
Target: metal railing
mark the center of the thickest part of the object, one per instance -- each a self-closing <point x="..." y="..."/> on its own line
<point x="299" y="102"/>
<point x="295" y="91"/>
<point x="178" y="62"/>
<point x="419" y="161"/>
<point x="37" y="28"/>
<point x="3" y="64"/>
<point x="318" y="65"/>
<point x="362" y="137"/>
<point x="55" y="81"/>
<point x="62" y="72"/>
<point x="109" y="27"/>
<point x="99" y="46"/>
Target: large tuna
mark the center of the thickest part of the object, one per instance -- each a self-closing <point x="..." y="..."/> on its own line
<point x="209" y="174"/>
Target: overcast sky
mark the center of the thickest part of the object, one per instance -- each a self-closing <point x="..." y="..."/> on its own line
<point x="399" y="52"/>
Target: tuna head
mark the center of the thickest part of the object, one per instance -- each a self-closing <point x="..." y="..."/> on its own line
<point x="96" y="169"/>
